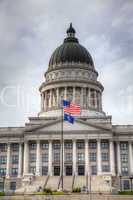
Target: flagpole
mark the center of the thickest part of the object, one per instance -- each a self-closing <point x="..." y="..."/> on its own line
<point x="62" y="148"/>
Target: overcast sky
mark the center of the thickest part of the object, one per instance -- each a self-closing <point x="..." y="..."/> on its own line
<point x="29" y="32"/>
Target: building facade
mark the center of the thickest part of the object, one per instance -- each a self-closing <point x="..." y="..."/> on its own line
<point x="96" y="154"/>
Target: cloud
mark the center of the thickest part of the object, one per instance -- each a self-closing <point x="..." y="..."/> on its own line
<point x="30" y="31"/>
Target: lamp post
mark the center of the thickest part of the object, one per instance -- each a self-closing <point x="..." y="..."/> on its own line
<point x="120" y="183"/>
<point x="131" y="178"/>
<point x="3" y="183"/>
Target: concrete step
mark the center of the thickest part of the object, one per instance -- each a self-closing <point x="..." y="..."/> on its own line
<point x="53" y="182"/>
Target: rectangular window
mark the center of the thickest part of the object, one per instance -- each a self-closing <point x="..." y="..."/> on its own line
<point x="93" y="169"/>
<point x="56" y="146"/>
<point x="3" y="159"/>
<point x="93" y="156"/>
<point x="104" y="145"/>
<point x="92" y="145"/>
<point x="105" y="156"/>
<point x="124" y="158"/>
<point x="1" y="186"/>
<point x="44" y="170"/>
<point x="80" y="145"/>
<point x="68" y="145"/>
<point x="124" y="146"/>
<point x="32" y="146"/>
<point x="32" y="157"/>
<point x="33" y="170"/>
<point x="56" y="156"/>
<point x="45" y="145"/>
<point x="45" y="157"/>
<point x="68" y="157"/>
<point x="14" y="147"/>
<point x="14" y="159"/>
<point x="124" y="170"/>
<point x="2" y="171"/>
<point x="81" y="157"/>
<point x="3" y="147"/>
<point x="105" y="168"/>
<point x="13" y="186"/>
<point x="14" y="171"/>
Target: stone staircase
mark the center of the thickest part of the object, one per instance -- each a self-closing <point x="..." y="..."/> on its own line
<point x="79" y="182"/>
<point x="67" y="183"/>
<point x="33" y="186"/>
<point x="53" y="182"/>
<point x="99" y="184"/>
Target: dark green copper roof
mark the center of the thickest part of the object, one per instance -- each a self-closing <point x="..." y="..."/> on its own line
<point x="70" y="51"/>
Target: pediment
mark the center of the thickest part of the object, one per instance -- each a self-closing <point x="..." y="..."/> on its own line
<point x="56" y="126"/>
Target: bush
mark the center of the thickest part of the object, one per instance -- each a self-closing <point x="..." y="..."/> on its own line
<point x="126" y="192"/>
<point x="78" y="189"/>
<point x="2" y="193"/>
<point x="47" y="190"/>
<point x="58" y="193"/>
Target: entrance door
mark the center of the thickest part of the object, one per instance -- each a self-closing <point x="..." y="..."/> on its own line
<point x="81" y="170"/>
<point x="56" y="170"/>
<point x="68" y="170"/>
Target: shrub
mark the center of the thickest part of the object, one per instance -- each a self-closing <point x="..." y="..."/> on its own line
<point x="58" y="193"/>
<point x="2" y="193"/>
<point x="47" y="190"/>
<point x="126" y="192"/>
<point x="78" y="189"/>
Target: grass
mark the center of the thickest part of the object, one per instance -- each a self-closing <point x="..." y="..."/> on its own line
<point x="49" y="192"/>
<point x="126" y="193"/>
<point x="2" y="194"/>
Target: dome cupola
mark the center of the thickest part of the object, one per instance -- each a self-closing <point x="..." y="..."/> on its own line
<point x="70" y="52"/>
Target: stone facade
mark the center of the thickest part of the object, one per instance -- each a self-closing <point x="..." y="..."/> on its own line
<point x="96" y="154"/>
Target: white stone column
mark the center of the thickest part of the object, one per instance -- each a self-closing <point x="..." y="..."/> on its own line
<point x="100" y="101"/>
<point x="20" y="160"/>
<point x="74" y="95"/>
<point x="45" y="101"/>
<point x="112" y="158"/>
<point x="89" y="97"/>
<point x="99" y="167"/>
<point x="74" y="158"/>
<point x="95" y="98"/>
<point x="82" y="97"/>
<point x="50" y="98"/>
<point x="65" y="93"/>
<point x="42" y="101"/>
<point x="26" y="157"/>
<point x="118" y="159"/>
<point x="50" y="159"/>
<point x="38" y="156"/>
<point x="57" y="97"/>
<point x="8" y="160"/>
<point x="130" y="157"/>
<point x="86" y="157"/>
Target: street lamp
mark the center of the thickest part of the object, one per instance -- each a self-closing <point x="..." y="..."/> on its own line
<point x="3" y="183"/>
<point x="120" y="183"/>
<point x="131" y="178"/>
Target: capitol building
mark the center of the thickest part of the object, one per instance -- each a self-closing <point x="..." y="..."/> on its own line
<point x="97" y="155"/>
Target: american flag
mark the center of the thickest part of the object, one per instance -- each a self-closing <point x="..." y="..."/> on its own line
<point x="72" y="109"/>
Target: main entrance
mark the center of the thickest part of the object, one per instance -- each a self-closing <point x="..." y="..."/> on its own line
<point x="81" y="170"/>
<point x="56" y="170"/>
<point x="68" y="170"/>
